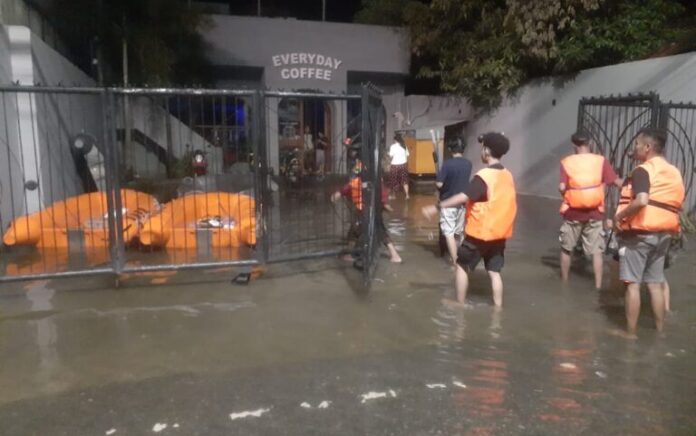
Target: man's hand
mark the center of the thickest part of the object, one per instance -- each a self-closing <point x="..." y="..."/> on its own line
<point x="429" y="211"/>
<point x="616" y="224"/>
<point x="335" y="196"/>
<point x="608" y="224"/>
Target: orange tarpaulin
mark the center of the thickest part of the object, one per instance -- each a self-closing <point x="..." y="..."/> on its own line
<point x="230" y="219"/>
<point x="87" y="213"/>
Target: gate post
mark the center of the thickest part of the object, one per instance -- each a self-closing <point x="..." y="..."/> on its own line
<point x="112" y="183"/>
<point x="262" y="181"/>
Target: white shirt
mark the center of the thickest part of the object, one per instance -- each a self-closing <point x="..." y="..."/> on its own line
<point x="399" y="154"/>
<point x="308" y="143"/>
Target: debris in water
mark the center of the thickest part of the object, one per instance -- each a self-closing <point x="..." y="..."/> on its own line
<point x="601" y="374"/>
<point x="254" y="413"/>
<point x="306" y="405"/>
<point x="159" y="427"/>
<point x="567" y="365"/>
<point x="111" y="431"/>
<point x="379" y="280"/>
<point x="176" y="425"/>
<point x="668" y="354"/>
<point x="375" y="395"/>
<point x="324" y="405"/>
<point x="459" y="384"/>
<point x="435" y="385"/>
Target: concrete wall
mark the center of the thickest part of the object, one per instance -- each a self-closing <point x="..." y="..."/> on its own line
<point x="278" y="44"/>
<point x="540" y="120"/>
<point x="539" y="130"/>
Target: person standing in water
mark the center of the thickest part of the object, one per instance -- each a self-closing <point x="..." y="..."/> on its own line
<point x="453" y="178"/>
<point x="583" y="177"/>
<point x="398" y="174"/>
<point x="646" y="220"/>
<point x="491" y="207"/>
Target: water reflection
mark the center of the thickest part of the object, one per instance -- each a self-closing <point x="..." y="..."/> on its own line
<point x="40" y="296"/>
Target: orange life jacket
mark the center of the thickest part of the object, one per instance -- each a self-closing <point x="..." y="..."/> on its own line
<point x="356" y="192"/>
<point x="666" y="199"/>
<point x="493" y="219"/>
<point x="585" y="189"/>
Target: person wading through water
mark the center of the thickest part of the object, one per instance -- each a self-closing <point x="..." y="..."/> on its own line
<point x="491" y="207"/>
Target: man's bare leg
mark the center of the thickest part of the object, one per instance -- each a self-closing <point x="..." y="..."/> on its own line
<point x="497" y="286"/>
<point x="393" y="254"/>
<point x="597" y="264"/>
<point x="632" y="302"/>
<point x="665" y="295"/>
<point x="658" y="304"/>
<point x="452" y="247"/>
<point x="406" y="190"/>
<point x="461" y="282"/>
<point x="565" y="266"/>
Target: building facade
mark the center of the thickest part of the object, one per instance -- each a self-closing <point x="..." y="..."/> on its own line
<point x="281" y="54"/>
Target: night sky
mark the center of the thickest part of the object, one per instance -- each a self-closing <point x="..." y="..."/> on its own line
<point x="336" y="10"/>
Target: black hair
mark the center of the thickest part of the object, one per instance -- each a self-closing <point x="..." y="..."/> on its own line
<point x="457" y="145"/>
<point x="658" y="137"/>
<point x="497" y="143"/>
<point x="580" y="138"/>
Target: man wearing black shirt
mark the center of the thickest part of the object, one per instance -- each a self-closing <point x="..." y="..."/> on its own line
<point x="452" y="179"/>
<point x="491" y="210"/>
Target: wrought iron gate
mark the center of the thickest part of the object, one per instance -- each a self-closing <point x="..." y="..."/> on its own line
<point x="613" y="123"/>
<point x="374" y="141"/>
<point x="114" y="180"/>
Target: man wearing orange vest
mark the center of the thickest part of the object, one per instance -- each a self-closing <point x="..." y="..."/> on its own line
<point x="646" y="219"/>
<point x="491" y="206"/>
<point x="583" y="176"/>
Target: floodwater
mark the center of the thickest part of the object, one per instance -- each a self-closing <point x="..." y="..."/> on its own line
<point x="299" y="351"/>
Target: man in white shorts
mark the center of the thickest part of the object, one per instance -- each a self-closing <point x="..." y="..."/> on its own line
<point x="452" y="179"/>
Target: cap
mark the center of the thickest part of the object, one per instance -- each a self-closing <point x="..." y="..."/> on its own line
<point x="497" y="143"/>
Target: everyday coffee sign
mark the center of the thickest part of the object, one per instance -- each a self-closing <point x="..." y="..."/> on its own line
<point x="295" y="66"/>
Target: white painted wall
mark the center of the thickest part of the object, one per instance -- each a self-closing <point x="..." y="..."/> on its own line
<point x="540" y="132"/>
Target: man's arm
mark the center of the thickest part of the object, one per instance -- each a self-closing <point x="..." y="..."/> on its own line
<point x="633" y="208"/>
<point x="455" y="200"/>
<point x="640" y="183"/>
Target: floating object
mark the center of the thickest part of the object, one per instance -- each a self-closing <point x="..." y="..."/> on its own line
<point x="81" y="221"/>
<point x="215" y="219"/>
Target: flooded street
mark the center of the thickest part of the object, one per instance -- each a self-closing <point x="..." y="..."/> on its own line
<point x="299" y="351"/>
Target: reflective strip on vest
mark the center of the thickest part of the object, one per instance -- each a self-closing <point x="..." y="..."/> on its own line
<point x="666" y="198"/>
<point x="585" y="189"/>
<point x="494" y="218"/>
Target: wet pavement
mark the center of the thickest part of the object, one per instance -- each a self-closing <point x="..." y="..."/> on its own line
<point x="299" y="351"/>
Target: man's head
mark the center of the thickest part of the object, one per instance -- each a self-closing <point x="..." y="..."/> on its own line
<point x="495" y="145"/>
<point x="580" y="139"/>
<point x="457" y="146"/>
<point x="648" y="143"/>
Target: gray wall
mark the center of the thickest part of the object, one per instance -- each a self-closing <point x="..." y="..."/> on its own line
<point x="539" y="131"/>
<point x="251" y="41"/>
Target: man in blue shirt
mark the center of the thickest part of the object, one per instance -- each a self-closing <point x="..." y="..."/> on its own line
<point x="452" y="179"/>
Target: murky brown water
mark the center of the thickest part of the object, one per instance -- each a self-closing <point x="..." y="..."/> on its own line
<point x="545" y="364"/>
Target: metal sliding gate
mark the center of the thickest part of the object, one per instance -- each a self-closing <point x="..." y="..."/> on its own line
<point x="124" y="180"/>
<point x="613" y="123"/>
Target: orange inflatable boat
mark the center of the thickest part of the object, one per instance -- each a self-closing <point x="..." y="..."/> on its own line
<point x="224" y="219"/>
<point x="87" y="213"/>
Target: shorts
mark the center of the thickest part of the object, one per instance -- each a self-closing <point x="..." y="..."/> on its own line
<point x="452" y="221"/>
<point x="591" y="232"/>
<point x="642" y="257"/>
<point x="472" y="250"/>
